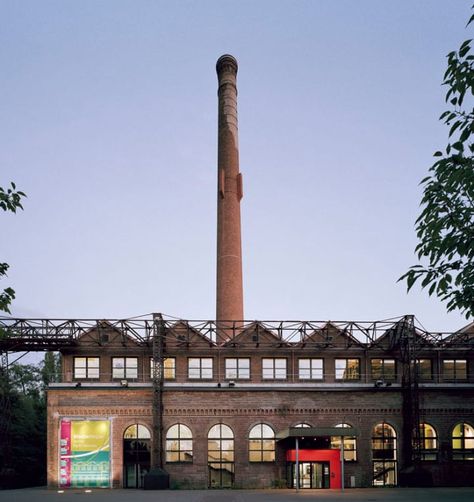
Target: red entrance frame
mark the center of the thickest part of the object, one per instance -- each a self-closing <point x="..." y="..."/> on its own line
<point x="331" y="456"/>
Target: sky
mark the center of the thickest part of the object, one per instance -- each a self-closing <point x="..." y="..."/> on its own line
<point x="109" y="123"/>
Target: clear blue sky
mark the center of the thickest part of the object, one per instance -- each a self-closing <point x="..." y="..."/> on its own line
<point x="109" y="122"/>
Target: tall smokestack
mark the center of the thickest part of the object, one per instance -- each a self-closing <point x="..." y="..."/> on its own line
<point x="229" y="304"/>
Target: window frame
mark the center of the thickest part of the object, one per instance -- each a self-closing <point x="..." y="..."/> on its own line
<point x="201" y="368"/>
<point x="462" y="453"/>
<point x="427" y="454"/>
<point x="165" y="369"/>
<point x="238" y="370"/>
<point x="259" y="440"/>
<point x="127" y="372"/>
<point x="311" y="369"/>
<point x="346" y="441"/>
<point x="383" y="372"/>
<point x="180" y="440"/>
<point x="273" y="369"/>
<point x="346" y="359"/>
<point x="87" y="368"/>
<point x="455" y="377"/>
<point x="419" y="374"/>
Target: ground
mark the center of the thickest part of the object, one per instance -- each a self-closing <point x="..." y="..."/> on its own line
<point x="363" y="494"/>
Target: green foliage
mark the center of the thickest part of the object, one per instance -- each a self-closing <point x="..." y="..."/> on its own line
<point x="10" y="200"/>
<point x="25" y="462"/>
<point x="445" y="227"/>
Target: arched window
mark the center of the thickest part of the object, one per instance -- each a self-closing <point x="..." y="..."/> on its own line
<point x="302" y="425"/>
<point x="179" y="444"/>
<point x="261" y="444"/>
<point x="220" y="456"/>
<point x="350" y="444"/>
<point x="136" y="455"/>
<point x="384" y="454"/>
<point x="463" y="441"/>
<point x="428" y="442"/>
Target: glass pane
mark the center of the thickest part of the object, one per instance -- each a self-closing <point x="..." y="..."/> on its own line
<point x="131" y="362"/>
<point x="304" y="364"/>
<point x="194" y="363"/>
<point x="93" y="362"/>
<point x="448" y="370"/>
<point x="256" y="432"/>
<point x="143" y="432"/>
<point x="206" y="363"/>
<point x="226" y="432"/>
<point x="457" y="444"/>
<point x="186" y="456"/>
<point x="268" y="456"/>
<point x="118" y="373"/>
<point x="186" y="445"/>
<point x="206" y="372"/>
<point x="255" y="456"/>
<point x="280" y="363"/>
<point x="132" y="373"/>
<point x="172" y="432"/>
<point x="268" y="444"/>
<point x="185" y="432"/>
<point x="228" y="456"/>
<point x="172" y="456"/>
<point x="267" y="431"/>
<point x="340" y="368"/>
<point x="93" y="373"/>
<point x="214" y="431"/>
<point x="255" y="444"/>
<point x="118" y="362"/>
<point x="244" y="372"/>
<point x="461" y="369"/>
<point x="80" y="362"/>
<point x="194" y="373"/>
<point x="130" y="432"/>
<point x="79" y="372"/>
<point x="267" y="363"/>
<point x="227" y="444"/>
<point x="376" y="368"/>
<point x="389" y="369"/>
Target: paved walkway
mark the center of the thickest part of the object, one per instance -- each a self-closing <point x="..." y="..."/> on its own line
<point x="358" y="494"/>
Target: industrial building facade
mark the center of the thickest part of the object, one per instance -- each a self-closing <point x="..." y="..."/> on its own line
<point x="231" y="411"/>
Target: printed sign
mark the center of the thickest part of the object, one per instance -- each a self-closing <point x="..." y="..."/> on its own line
<point x="84" y="456"/>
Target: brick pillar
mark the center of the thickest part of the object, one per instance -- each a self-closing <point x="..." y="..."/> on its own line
<point x="229" y="300"/>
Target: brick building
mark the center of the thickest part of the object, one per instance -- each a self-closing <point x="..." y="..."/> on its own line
<point x="230" y="403"/>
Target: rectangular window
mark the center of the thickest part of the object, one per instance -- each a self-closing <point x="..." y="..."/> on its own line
<point x="455" y="369"/>
<point x="347" y="369"/>
<point x="382" y="369"/>
<point x="424" y="369"/>
<point x="237" y="368"/>
<point x="86" y="367"/>
<point x="310" y="369"/>
<point x="169" y="368"/>
<point x="274" y="368"/>
<point x="200" y="367"/>
<point x="125" y="367"/>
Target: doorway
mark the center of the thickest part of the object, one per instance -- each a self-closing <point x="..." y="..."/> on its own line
<point x="311" y="475"/>
<point x="136" y="455"/>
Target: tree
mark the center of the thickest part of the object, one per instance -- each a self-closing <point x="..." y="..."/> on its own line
<point x="445" y="227"/>
<point x="10" y="200"/>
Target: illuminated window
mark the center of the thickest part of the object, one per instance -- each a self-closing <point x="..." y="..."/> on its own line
<point x="428" y="442"/>
<point x="137" y="431"/>
<point x="349" y="444"/>
<point x="200" y="367"/>
<point x="463" y="441"/>
<point x="384" y="455"/>
<point x="274" y="368"/>
<point x="179" y="444"/>
<point x="303" y="425"/>
<point x="169" y="368"/>
<point x="382" y="369"/>
<point x="347" y="369"/>
<point x="455" y="369"/>
<point x="237" y="368"/>
<point x="261" y="444"/>
<point x="220" y="456"/>
<point x="86" y="367"/>
<point x="310" y="369"/>
<point x="424" y="369"/>
<point x="124" y="367"/>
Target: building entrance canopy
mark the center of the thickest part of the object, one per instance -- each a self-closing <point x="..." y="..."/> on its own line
<point x="301" y="432"/>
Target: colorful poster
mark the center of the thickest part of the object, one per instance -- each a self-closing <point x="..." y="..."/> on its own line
<point x="84" y="458"/>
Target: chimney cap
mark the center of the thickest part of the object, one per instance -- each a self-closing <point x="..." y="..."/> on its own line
<point x="226" y="60"/>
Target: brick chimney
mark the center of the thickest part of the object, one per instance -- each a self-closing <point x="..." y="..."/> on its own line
<point x="229" y="299"/>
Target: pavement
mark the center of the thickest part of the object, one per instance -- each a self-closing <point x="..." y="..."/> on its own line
<point x="357" y="494"/>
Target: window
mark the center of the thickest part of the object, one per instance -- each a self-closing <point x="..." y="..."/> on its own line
<point x="310" y="369"/>
<point x="274" y="368"/>
<point x="384" y="455"/>
<point x="237" y="368"/>
<point x="86" y="367"/>
<point x="220" y="456"/>
<point x="261" y="444"/>
<point x="424" y="369"/>
<point x="303" y="425"/>
<point x="136" y="455"/>
<point x="200" y="367"/>
<point x="455" y="369"/>
<point x="428" y="442"/>
<point x="169" y="368"/>
<point x="124" y="367"/>
<point x="179" y="444"/>
<point x="463" y="441"/>
<point x="382" y="369"/>
<point x="349" y="444"/>
<point x="347" y="369"/>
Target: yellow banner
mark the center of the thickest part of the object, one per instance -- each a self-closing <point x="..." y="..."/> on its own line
<point x="90" y="435"/>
